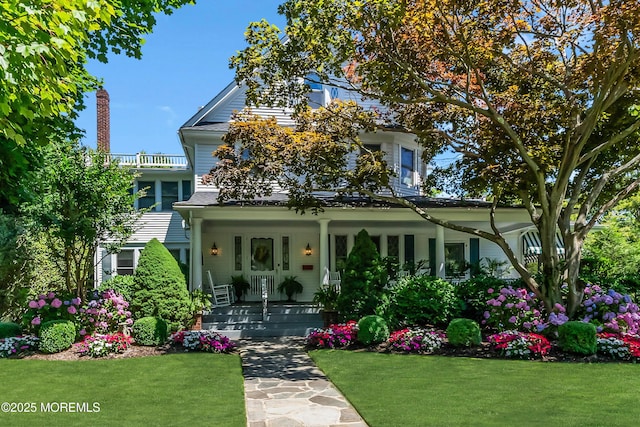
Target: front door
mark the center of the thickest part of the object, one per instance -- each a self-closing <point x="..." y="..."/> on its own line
<point x="266" y="262"/>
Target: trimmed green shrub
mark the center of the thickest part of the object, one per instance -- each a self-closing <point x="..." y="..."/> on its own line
<point x="159" y="288"/>
<point x="121" y="284"/>
<point x="372" y="330"/>
<point x="150" y="331"/>
<point x="464" y="333"/>
<point x="420" y="300"/>
<point x="9" y="329"/>
<point x="56" y="335"/>
<point x="363" y="279"/>
<point x="578" y="337"/>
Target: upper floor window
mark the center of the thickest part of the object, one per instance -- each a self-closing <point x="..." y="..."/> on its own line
<point x="169" y="194"/>
<point x="407" y="166"/>
<point x="186" y="189"/>
<point x="149" y="198"/>
<point x="316" y="94"/>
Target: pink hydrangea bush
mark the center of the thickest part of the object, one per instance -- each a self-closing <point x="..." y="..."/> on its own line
<point x="100" y="345"/>
<point x="513" y="309"/>
<point x="203" y="340"/>
<point x="416" y="340"/>
<point x="335" y="336"/>
<point x="50" y="306"/>
<point x="104" y="313"/>
<point x="520" y="345"/>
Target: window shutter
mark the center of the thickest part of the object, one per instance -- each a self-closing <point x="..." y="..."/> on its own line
<point x="474" y="255"/>
<point x="432" y="256"/>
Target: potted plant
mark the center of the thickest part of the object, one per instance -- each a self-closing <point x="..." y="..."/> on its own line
<point x="327" y="298"/>
<point x="201" y="301"/>
<point x="290" y="286"/>
<point x="240" y="286"/>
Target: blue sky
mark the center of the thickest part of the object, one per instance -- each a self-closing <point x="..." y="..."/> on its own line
<point x="184" y="64"/>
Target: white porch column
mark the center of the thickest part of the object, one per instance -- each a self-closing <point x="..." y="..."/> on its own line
<point x="324" y="247"/>
<point x="196" y="254"/>
<point x="439" y="251"/>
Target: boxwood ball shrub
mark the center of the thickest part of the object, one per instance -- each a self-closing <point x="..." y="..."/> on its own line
<point x="464" y="333"/>
<point x="159" y="288"/>
<point x="56" y="336"/>
<point x="420" y="300"/>
<point x="9" y="329"/>
<point x="150" y="331"/>
<point x="372" y="330"/>
<point x="578" y="337"/>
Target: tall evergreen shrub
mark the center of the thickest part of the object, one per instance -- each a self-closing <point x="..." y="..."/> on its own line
<point x="363" y="280"/>
<point x="159" y="287"/>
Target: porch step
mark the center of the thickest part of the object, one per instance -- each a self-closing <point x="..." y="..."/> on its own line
<point x="245" y="320"/>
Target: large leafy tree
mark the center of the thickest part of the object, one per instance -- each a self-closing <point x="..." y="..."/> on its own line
<point x="82" y="201"/>
<point x="539" y="97"/>
<point x="44" y="45"/>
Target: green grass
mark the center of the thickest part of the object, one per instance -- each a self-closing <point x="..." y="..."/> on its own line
<point x="397" y="390"/>
<point x="173" y="390"/>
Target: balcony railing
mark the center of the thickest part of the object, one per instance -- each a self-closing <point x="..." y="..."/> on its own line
<point x="143" y="160"/>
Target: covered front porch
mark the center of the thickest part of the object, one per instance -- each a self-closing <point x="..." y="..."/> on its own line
<point x="268" y="242"/>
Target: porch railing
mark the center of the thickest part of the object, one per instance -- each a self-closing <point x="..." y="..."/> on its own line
<point x="143" y="160"/>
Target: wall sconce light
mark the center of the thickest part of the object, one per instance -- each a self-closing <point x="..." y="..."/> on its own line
<point x="214" y="249"/>
<point x="307" y="250"/>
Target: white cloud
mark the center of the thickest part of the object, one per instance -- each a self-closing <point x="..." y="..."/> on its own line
<point x="170" y="114"/>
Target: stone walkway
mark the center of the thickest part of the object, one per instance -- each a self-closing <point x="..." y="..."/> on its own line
<point x="284" y="388"/>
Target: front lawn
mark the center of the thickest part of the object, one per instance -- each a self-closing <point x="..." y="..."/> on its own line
<point x="177" y="389"/>
<point x="410" y="390"/>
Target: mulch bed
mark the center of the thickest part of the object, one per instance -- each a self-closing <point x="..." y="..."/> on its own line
<point x="133" y="351"/>
<point x="484" y="351"/>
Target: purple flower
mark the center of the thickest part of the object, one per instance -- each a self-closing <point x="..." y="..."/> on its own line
<point x="76" y="301"/>
<point x="51" y="295"/>
<point x="72" y="310"/>
<point x="33" y="304"/>
<point x="36" y="321"/>
<point x="512" y="319"/>
<point x="56" y="303"/>
<point x="41" y="303"/>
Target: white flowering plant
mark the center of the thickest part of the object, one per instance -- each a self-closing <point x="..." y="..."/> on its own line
<point x="17" y="346"/>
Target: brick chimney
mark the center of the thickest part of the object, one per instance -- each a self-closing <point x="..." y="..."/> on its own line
<point x="104" y="127"/>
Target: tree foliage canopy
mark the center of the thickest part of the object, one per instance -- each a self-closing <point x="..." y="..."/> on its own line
<point x="539" y="97"/>
<point x="81" y="201"/>
<point x="44" y="46"/>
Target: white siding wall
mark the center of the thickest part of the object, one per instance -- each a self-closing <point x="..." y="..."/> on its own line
<point x="204" y="162"/>
<point x="164" y="226"/>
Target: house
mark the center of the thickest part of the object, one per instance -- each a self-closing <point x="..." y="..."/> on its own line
<point x="265" y="241"/>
